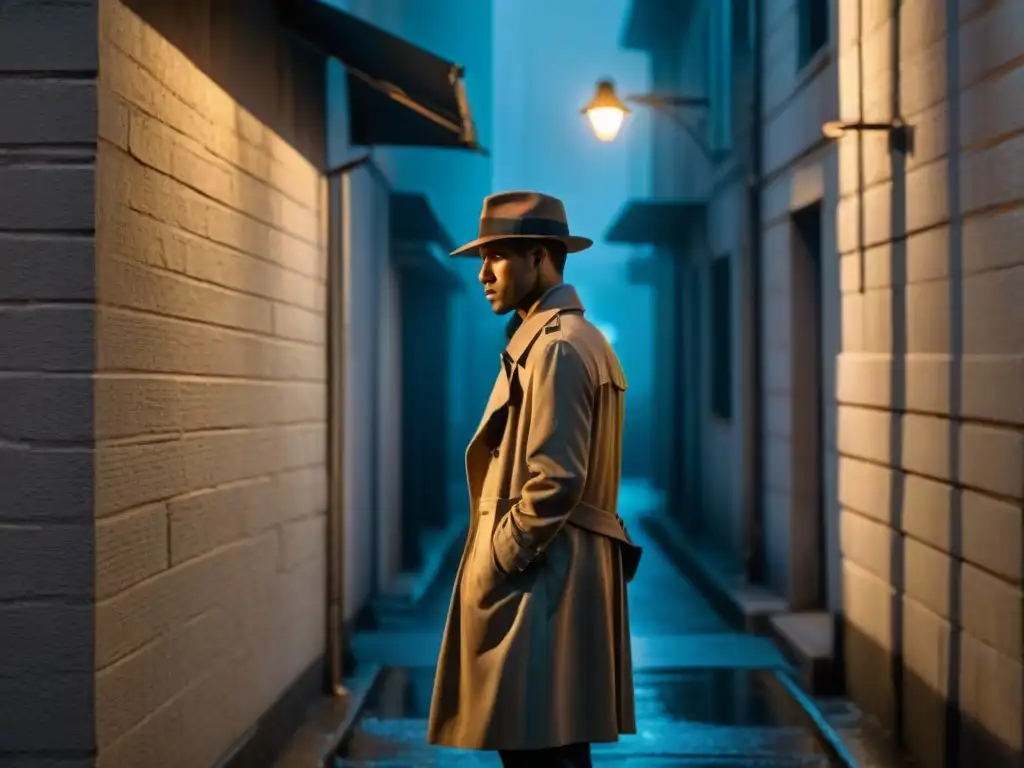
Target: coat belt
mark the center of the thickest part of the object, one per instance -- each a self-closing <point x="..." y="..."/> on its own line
<point x="585" y="516"/>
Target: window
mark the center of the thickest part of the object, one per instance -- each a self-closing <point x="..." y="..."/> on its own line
<point x="730" y="77"/>
<point x="721" y="337"/>
<point x="742" y="36"/>
<point x="719" y="76"/>
<point x="813" y="30"/>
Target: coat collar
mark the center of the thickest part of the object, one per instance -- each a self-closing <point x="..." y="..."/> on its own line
<point x="555" y="300"/>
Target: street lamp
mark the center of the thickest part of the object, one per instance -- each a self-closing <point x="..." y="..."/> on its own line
<point x="606" y="111"/>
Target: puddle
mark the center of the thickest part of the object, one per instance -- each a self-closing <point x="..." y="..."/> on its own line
<point x="693" y="717"/>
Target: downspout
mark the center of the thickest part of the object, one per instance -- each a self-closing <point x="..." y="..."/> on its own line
<point x="754" y="555"/>
<point x="336" y="256"/>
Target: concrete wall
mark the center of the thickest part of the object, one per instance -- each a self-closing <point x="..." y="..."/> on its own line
<point x="210" y="477"/>
<point x="931" y="415"/>
<point x="372" y="465"/>
<point x="799" y="170"/>
<point x="390" y="475"/>
<point x="724" y="463"/>
<point x="47" y="167"/>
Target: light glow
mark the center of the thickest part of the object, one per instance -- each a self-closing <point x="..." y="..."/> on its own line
<point x="833" y="129"/>
<point x="608" y="331"/>
<point x="606" y="111"/>
<point x="606" y="122"/>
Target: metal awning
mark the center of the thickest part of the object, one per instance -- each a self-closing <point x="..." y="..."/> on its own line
<point x="419" y="241"/>
<point x="655" y="222"/>
<point x="399" y="93"/>
<point x="424" y="260"/>
<point x="413" y="220"/>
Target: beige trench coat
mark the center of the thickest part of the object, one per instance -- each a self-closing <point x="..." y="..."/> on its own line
<point x="536" y="649"/>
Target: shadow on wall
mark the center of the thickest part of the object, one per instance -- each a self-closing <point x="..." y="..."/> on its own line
<point x="931" y="725"/>
<point x="240" y="46"/>
<point x="940" y="727"/>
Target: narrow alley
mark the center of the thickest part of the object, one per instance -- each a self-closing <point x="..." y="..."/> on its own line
<point x="243" y="353"/>
<point x="707" y="695"/>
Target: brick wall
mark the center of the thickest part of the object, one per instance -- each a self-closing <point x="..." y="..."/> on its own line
<point x="931" y="415"/>
<point x="48" y="62"/>
<point x="210" y="477"/>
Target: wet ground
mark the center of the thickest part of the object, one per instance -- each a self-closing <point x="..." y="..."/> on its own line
<point x="707" y="717"/>
<point x="706" y="694"/>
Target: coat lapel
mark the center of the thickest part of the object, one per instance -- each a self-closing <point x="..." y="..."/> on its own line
<point x="560" y="298"/>
<point x="496" y="402"/>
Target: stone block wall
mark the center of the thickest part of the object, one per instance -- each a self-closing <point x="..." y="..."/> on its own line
<point x="210" y="398"/>
<point x="931" y="375"/>
<point x="163" y="383"/>
<point x="48" y="61"/>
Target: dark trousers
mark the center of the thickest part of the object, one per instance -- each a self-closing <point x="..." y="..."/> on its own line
<point x="569" y="756"/>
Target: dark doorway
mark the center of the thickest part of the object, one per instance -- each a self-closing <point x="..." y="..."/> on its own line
<point x="809" y="554"/>
<point x="426" y="296"/>
<point x="688" y="396"/>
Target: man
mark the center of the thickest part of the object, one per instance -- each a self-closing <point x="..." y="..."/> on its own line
<point x="535" y="662"/>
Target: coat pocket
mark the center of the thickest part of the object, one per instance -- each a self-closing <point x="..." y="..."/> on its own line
<point x="482" y="570"/>
<point x="554" y="572"/>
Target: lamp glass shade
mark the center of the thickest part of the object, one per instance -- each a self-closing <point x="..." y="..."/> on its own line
<point x="605" y="111"/>
<point x="605" y="122"/>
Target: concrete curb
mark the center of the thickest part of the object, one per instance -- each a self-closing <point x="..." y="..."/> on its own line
<point x="751" y="615"/>
<point x="369" y="674"/>
<point x="748" y="609"/>
<point x="329" y="723"/>
<point x="369" y="679"/>
<point x="829" y="737"/>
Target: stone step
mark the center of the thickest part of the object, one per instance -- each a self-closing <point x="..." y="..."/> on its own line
<point x="807" y="639"/>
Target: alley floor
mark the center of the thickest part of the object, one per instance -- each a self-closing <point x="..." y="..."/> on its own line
<point x="706" y="695"/>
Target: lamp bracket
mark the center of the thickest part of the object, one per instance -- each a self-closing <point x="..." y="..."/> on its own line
<point x="901" y="135"/>
<point x="666" y="108"/>
<point x="668" y="100"/>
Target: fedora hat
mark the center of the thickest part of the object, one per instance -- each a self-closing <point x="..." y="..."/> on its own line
<point x="524" y="216"/>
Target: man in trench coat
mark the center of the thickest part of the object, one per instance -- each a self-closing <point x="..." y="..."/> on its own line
<point x="535" y="661"/>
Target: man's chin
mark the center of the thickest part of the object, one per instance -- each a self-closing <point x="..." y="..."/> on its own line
<point x="499" y="307"/>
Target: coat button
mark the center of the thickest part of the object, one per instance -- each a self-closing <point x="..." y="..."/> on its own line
<point x="495" y="452"/>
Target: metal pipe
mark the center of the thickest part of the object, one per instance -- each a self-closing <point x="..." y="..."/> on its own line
<point x="335" y="441"/>
<point x="346" y="167"/>
<point x="335" y="523"/>
<point x="336" y="251"/>
<point x="754" y="545"/>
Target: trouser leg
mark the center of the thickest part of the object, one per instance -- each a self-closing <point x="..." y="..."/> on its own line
<point x="569" y="756"/>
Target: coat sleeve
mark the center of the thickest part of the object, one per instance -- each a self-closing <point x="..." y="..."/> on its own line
<point x="557" y="448"/>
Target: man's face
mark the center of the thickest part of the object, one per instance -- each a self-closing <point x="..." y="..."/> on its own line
<point x="507" y="273"/>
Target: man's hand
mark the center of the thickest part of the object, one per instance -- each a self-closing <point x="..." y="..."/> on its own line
<point x="557" y="448"/>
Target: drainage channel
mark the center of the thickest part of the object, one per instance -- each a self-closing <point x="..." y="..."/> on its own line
<point x="720" y="718"/>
